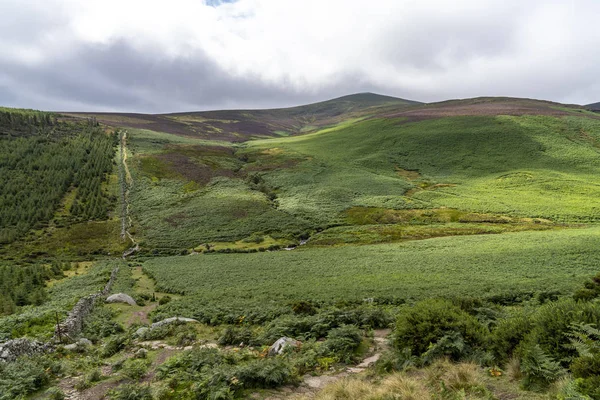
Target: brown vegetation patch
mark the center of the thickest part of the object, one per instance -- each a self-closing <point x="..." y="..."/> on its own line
<point x="176" y="219"/>
<point x="411" y="175"/>
<point x="481" y="107"/>
<point x="190" y="170"/>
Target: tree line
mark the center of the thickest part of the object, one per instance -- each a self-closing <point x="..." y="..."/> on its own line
<point x="37" y="170"/>
<point x="25" y="285"/>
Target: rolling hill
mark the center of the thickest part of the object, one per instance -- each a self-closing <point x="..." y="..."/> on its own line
<point x="593" y="106"/>
<point x="242" y="125"/>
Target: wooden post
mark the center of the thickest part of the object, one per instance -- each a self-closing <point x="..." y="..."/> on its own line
<point x="58" y="328"/>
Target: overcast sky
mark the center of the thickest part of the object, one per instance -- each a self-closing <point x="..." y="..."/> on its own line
<point x="181" y="55"/>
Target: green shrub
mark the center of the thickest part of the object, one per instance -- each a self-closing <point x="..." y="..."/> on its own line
<point x="164" y="300"/>
<point x="23" y="376"/>
<point x="114" y="344"/>
<point x="509" y="332"/>
<point x="267" y="373"/>
<point x="539" y="369"/>
<point x="396" y="361"/>
<point x="429" y="321"/>
<point x="552" y="324"/>
<point x="235" y="335"/>
<point x="134" y="369"/>
<point x="55" y="393"/>
<point x="99" y="324"/>
<point x="590" y="289"/>
<point x="131" y="392"/>
<point x="343" y="341"/>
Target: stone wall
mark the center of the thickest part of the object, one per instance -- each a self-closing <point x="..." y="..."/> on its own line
<point x="13" y="349"/>
<point x="71" y="326"/>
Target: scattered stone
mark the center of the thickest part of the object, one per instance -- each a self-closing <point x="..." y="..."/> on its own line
<point x="79" y="345"/>
<point x="281" y="344"/>
<point x="141" y="353"/>
<point x="121" y="298"/>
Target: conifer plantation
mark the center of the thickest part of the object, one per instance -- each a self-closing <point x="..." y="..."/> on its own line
<point x="41" y="159"/>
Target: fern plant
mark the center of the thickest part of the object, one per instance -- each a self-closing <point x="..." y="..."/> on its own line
<point x="585" y="340"/>
<point x="538" y="368"/>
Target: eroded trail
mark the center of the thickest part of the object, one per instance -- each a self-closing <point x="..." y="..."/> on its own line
<point x="126" y="185"/>
<point x="312" y="384"/>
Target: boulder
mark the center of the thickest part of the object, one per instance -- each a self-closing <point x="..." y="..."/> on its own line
<point x="121" y="298"/>
<point x="281" y="344"/>
<point x="171" y="320"/>
<point x="141" y="353"/>
<point x="141" y="331"/>
<point x="79" y="345"/>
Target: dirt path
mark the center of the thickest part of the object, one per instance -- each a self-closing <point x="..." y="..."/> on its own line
<point x="126" y="186"/>
<point x="312" y="384"/>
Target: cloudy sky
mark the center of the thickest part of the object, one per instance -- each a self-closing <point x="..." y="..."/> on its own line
<point x="180" y="55"/>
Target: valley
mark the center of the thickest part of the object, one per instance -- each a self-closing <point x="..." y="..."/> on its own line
<point x="467" y="228"/>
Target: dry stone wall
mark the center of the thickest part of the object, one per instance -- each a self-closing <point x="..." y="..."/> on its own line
<point x="74" y="322"/>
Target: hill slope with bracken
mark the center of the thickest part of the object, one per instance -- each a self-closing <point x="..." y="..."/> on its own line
<point x="242" y="125"/>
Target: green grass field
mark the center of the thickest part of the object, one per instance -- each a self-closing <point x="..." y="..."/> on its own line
<point x="469" y="266"/>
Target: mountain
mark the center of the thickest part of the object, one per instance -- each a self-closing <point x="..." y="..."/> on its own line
<point x="242" y="125"/>
<point x="593" y="106"/>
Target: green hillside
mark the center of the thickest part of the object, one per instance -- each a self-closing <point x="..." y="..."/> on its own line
<point x="468" y="228"/>
<point x="593" y="106"/>
<point x="479" y="168"/>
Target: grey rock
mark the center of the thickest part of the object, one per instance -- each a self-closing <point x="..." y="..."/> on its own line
<point x="141" y="353"/>
<point x="121" y="298"/>
<point x="80" y="345"/>
<point x="281" y="344"/>
<point x="171" y="321"/>
<point x="141" y="331"/>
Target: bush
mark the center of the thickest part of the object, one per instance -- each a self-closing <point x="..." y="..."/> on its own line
<point x="343" y="341"/>
<point x="267" y="373"/>
<point x="429" y="321"/>
<point x="164" y="300"/>
<point x="22" y="377"/>
<point x="509" y="332"/>
<point x="114" y="345"/>
<point x="134" y="369"/>
<point x="55" y="393"/>
<point x="539" y="369"/>
<point x="233" y="336"/>
<point x="552" y="324"/>
<point x="99" y="324"/>
<point x="131" y="392"/>
<point x="590" y="290"/>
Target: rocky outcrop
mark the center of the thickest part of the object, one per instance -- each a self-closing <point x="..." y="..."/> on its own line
<point x="281" y="344"/>
<point x="121" y="298"/>
<point x="13" y="349"/>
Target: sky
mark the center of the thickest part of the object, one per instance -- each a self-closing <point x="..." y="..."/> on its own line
<point x="185" y="55"/>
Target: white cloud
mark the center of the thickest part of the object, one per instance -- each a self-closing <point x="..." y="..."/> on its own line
<point x="292" y="50"/>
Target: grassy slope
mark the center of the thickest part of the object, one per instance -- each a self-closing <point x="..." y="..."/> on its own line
<point x="460" y="266"/>
<point x="485" y="164"/>
<point x="189" y="192"/>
